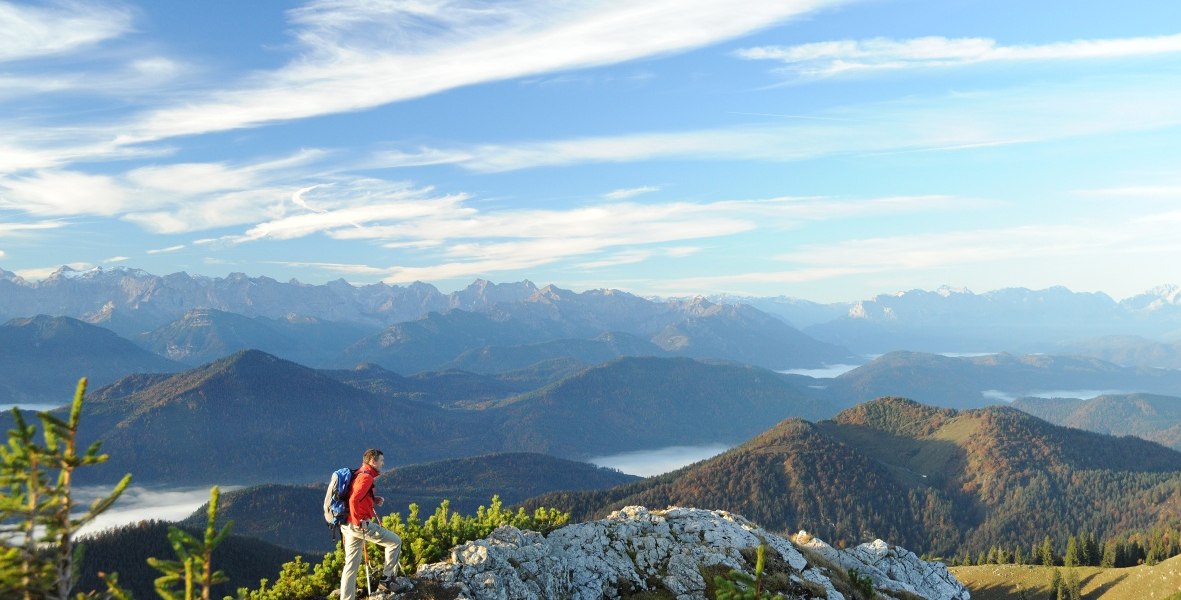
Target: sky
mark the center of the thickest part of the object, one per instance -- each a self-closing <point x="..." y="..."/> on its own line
<point x="820" y="149"/>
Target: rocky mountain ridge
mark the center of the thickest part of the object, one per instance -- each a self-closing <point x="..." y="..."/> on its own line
<point x="131" y="302"/>
<point x="674" y="552"/>
<point x="949" y="319"/>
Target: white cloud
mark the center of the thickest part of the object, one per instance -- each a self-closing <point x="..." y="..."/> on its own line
<point x="481" y="243"/>
<point x="172" y="198"/>
<point x="827" y="59"/>
<point x="953" y="122"/>
<point x="1118" y="245"/>
<point x="58" y="28"/>
<point x="681" y="251"/>
<point x="116" y="259"/>
<point x="9" y="229"/>
<point x="167" y="250"/>
<point x="627" y="257"/>
<point x="625" y="193"/>
<point x="39" y="273"/>
<point x="360" y="54"/>
<point x="63" y="193"/>
<point x="353" y="269"/>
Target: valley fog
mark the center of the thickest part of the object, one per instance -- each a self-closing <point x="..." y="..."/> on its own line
<point x="647" y="463"/>
<point x="139" y="503"/>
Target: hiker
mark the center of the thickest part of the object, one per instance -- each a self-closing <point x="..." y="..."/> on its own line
<point x="364" y="526"/>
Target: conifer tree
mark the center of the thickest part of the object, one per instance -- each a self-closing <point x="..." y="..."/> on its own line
<point x="1109" y="554"/>
<point x="1072" y="586"/>
<point x="1071" y="558"/>
<point x="39" y="556"/>
<point x="194" y="567"/>
<point x="1056" y="584"/>
<point x="1046" y="553"/>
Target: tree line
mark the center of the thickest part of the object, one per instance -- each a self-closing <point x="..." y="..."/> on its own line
<point x="1085" y="549"/>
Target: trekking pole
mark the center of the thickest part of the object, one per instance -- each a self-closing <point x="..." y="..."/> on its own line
<point x="365" y="557"/>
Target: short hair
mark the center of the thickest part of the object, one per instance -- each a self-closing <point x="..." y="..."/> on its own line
<point x="371" y="455"/>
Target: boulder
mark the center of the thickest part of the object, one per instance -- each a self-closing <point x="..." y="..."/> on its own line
<point x="892" y="568"/>
<point x="673" y="551"/>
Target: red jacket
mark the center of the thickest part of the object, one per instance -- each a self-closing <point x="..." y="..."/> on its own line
<point x="361" y="496"/>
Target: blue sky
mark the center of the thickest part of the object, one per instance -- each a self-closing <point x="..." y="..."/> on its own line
<point x="828" y="150"/>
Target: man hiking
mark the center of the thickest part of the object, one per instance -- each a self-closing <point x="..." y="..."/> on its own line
<point x="364" y="526"/>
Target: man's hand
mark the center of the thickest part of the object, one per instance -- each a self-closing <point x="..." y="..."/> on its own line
<point x="378" y="500"/>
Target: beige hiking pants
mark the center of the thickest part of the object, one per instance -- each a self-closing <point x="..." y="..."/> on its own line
<point x="353" y="539"/>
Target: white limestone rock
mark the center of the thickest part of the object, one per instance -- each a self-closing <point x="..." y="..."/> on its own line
<point x="638" y="549"/>
<point x="892" y="568"/>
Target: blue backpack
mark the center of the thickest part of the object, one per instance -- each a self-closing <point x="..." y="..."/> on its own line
<point x="336" y="499"/>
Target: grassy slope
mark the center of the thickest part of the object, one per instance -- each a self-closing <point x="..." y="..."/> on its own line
<point x="996" y="582"/>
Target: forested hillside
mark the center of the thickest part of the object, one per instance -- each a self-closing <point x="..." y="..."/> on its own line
<point x="125" y="550"/>
<point x="938" y="480"/>
<point x="1149" y="416"/>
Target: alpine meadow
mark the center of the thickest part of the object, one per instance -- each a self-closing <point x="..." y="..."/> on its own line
<point x="692" y="300"/>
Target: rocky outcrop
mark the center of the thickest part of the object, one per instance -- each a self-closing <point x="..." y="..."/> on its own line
<point x="892" y="568"/>
<point x="676" y="551"/>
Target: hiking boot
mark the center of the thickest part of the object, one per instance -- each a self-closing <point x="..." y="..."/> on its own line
<point x="395" y="585"/>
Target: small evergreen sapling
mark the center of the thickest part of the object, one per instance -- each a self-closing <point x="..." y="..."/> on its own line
<point x="742" y="586"/>
<point x="194" y="567"/>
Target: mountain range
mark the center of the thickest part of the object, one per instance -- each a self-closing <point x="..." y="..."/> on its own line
<point x="256" y="418"/>
<point x="1016" y="320"/>
<point x="936" y="479"/>
<point x="42" y="358"/>
<point x="252" y="417"/>
<point x="944" y="481"/>
<point x="974" y="381"/>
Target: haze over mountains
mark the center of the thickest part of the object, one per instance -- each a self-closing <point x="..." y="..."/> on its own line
<point x="1016" y="320"/>
<point x="258" y="418"/>
<point x="1141" y="330"/>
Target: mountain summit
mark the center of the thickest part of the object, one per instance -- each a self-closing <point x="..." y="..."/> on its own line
<point x="936" y="480"/>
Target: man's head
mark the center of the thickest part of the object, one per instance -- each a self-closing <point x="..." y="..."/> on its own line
<point x="374" y="457"/>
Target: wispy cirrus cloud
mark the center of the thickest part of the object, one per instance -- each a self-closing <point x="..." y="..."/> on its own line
<point x="948" y="122"/>
<point x="460" y="241"/>
<point x="168" y="250"/>
<point x="16" y="228"/>
<point x="172" y="198"/>
<point x="625" y="193"/>
<point x="53" y="28"/>
<point x="445" y="236"/>
<point x="349" y="268"/>
<point x="358" y="54"/>
<point x="628" y="257"/>
<point x="829" y="59"/>
<point x="1122" y="244"/>
<point x="355" y="55"/>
